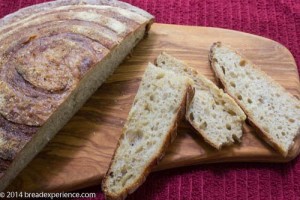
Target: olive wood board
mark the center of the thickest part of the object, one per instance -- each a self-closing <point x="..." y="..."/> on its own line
<point x="80" y="153"/>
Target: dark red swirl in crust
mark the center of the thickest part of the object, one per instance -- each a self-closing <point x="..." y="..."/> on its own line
<point x="45" y="51"/>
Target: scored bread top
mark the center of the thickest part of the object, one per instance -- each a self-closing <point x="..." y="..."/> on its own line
<point x="269" y="107"/>
<point x="213" y="113"/>
<point x="150" y="126"/>
<point x="46" y="50"/>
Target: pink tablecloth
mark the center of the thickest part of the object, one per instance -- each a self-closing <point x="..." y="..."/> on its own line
<point x="276" y="19"/>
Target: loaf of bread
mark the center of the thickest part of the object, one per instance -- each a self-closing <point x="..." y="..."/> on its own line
<point x="53" y="57"/>
<point x="273" y="111"/>
<point x="151" y="126"/>
<point x="213" y="113"/>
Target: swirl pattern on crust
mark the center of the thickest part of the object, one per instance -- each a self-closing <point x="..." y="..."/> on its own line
<point x="46" y="50"/>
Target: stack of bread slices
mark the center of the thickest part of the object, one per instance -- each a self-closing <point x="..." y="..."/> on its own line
<point x="171" y="89"/>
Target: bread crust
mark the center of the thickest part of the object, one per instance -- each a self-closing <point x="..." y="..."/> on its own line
<point x="259" y="130"/>
<point x="169" y="139"/>
<point x="13" y="155"/>
<point x="24" y="12"/>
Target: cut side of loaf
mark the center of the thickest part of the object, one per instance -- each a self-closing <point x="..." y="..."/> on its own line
<point x="53" y="58"/>
<point x="151" y="126"/>
<point x="270" y="108"/>
<point x="213" y="113"/>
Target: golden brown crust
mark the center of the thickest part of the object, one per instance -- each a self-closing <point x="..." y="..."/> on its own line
<point x="25" y="12"/>
<point x="264" y="135"/>
<point x="170" y="138"/>
<point x="46" y="52"/>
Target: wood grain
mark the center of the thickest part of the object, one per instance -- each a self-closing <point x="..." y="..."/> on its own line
<point x="79" y="154"/>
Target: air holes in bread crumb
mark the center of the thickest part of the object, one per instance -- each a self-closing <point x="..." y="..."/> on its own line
<point x="123" y="170"/>
<point x="239" y="97"/>
<point x="139" y="150"/>
<point x="163" y="62"/>
<point x="134" y="136"/>
<point x="228" y="126"/>
<point x="213" y="106"/>
<point x="242" y="63"/>
<point x="147" y="107"/>
<point x="172" y="109"/>
<point x="283" y="133"/>
<point x="151" y="97"/>
<point x="154" y="128"/>
<point x="148" y="143"/>
<point x="126" y="179"/>
<point x="203" y="125"/>
<point x="160" y="75"/>
<point x="291" y="120"/>
<point x="233" y="75"/>
<point x="223" y="69"/>
<point x="279" y="127"/>
<point x="192" y="116"/>
<point x="249" y="101"/>
<point x="232" y="84"/>
<point x="231" y="112"/>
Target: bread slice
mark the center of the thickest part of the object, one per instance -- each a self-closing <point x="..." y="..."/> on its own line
<point x="53" y="57"/>
<point x="213" y="113"/>
<point x="269" y="107"/>
<point x="151" y="126"/>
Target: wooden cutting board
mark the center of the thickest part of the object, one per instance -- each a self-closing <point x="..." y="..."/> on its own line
<point x="79" y="154"/>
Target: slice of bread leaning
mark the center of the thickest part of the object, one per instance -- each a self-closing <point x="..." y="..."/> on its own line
<point x="213" y="113"/>
<point x="273" y="111"/>
<point x="150" y="128"/>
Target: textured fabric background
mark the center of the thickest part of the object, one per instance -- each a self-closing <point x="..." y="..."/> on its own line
<point x="275" y="19"/>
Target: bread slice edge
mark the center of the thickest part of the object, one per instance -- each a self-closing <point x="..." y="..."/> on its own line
<point x="259" y="130"/>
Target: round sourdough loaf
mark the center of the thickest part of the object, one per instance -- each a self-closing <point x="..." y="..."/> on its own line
<point x="53" y="57"/>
